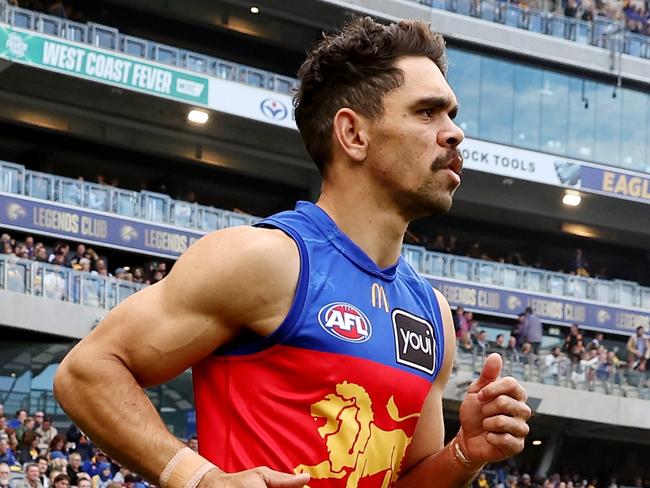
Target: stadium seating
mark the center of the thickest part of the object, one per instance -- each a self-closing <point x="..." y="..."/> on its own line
<point x="161" y="208"/>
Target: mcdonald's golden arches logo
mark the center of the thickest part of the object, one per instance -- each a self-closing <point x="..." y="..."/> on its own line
<point x="378" y="297"/>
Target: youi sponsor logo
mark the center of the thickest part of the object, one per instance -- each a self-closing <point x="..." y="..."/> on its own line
<point x="414" y="341"/>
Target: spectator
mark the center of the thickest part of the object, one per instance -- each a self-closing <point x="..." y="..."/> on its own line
<point x="74" y="467"/>
<point x="481" y="343"/>
<point x="121" y="474"/>
<point x="438" y="244"/>
<point x="32" y="477"/>
<point x="18" y="420"/>
<point x="57" y="445"/>
<point x="60" y="249"/>
<point x="100" y="268"/>
<point x="84" y="265"/>
<point x="28" y="424"/>
<point x="29" y="245"/>
<point x="465" y="344"/>
<point x="597" y="341"/>
<point x="84" y="482"/>
<point x="498" y="345"/>
<point x="47" y="432"/>
<point x="40" y="255"/>
<point x="78" y="255"/>
<point x="5" y="475"/>
<point x="519" y="329"/>
<point x="460" y="322"/>
<point x="44" y="468"/>
<point x="511" y="351"/>
<point x="552" y="366"/>
<point x="29" y="447"/>
<point x="6" y="455"/>
<point x="638" y="350"/>
<point x="193" y="443"/>
<point x="61" y="481"/>
<point x="3" y="427"/>
<point x="39" y="415"/>
<point x="138" y="274"/>
<point x="451" y="245"/>
<point x="532" y="332"/>
<point x="579" y="264"/>
<point x="526" y="353"/>
<point x="103" y="477"/>
<point x="92" y="466"/>
<point x="7" y="248"/>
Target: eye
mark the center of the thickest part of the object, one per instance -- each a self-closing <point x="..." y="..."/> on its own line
<point x="427" y="113"/>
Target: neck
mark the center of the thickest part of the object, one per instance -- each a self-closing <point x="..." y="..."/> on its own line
<point x="375" y="226"/>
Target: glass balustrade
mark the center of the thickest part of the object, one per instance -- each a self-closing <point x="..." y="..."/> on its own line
<point x="62" y="284"/>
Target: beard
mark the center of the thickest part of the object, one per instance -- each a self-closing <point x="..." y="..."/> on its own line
<point x="434" y="195"/>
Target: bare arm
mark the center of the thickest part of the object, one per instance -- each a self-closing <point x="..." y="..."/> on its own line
<point x="240" y="277"/>
<point x="493" y="424"/>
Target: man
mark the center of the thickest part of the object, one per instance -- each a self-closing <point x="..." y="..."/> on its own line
<point x="481" y="343"/>
<point x="38" y="419"/>
<point x="533" y="331"/>
<point x="47" y="431"/>
<point x="6" y="455"/>
<point x="44" y="468"/>
<point x="32" y="477"/>
<point x="3" y="427"/>
<point x="18" y="420"/>
<point x="74" y="467"/>
<point x="83" y="483"/>
<point x="312" y="313"/>
<point x="638" y="350"/>
<point x="193" y="443"/>
<point x="498" y="345"/>
<point x="5" y="476"/>
<point x="552" y="366"/>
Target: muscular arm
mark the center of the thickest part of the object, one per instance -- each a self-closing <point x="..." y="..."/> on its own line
<point x="428" y="462"/>
<point x="240" y="277"/>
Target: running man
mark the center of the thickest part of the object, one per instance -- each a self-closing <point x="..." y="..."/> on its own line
<point x="319" y="356"/>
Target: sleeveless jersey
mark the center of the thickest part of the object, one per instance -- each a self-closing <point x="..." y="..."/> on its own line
<point x="337" y="389"/>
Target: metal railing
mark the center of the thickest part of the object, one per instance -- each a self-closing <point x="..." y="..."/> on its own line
<point x="63" y="284"/>
<point x="147" y="205"/>
<point x="615" y="292"/>
<point x="110" y="38"/>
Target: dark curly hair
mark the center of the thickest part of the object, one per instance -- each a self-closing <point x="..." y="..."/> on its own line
<point x="355" y="68"/>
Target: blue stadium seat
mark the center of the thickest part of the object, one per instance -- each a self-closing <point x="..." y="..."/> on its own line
<point x="103" y="36"/>
<point x="165" y="54"/>
<point x="133" y="46"/>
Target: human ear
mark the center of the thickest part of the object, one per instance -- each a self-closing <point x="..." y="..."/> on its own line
<point x="350" y="132"/>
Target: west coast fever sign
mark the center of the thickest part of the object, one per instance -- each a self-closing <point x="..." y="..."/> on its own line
<point x="89" y="62"/>
<point x="66" y="222"/>
<point x="493" y="300"/>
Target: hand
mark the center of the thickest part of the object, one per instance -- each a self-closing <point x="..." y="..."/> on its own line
<point x="493" y="416"/>
<point x="261" y="477"/>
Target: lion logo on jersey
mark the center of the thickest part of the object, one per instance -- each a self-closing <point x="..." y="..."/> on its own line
<point x="357" y="447"/>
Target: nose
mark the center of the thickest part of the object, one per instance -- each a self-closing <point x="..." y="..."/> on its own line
<point x="451" y="135"/>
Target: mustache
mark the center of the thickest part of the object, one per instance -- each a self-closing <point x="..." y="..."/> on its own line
<point x="444" y="160"/>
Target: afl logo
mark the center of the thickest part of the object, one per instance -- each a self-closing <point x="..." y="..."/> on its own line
<point x="274" y="109"/>
<point x="345" y="321"/>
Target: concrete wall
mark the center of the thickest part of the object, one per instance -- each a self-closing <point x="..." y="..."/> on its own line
<point x="40" y="314"/>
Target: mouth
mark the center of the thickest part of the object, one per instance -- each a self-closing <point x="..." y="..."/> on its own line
<point x="456" y="164"/>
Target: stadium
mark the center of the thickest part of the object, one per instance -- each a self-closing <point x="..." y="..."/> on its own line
<point x="129" y="130"/>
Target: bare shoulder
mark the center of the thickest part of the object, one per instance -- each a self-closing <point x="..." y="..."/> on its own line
<point x="450" y="337"/>
<point x="240" y="273"/>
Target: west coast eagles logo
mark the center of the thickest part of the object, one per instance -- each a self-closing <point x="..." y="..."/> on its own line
<point x="128" y="233"/>
<point x="17" y="47"/>
<point x="15" y="211"/>
<point x="356" y="446"/>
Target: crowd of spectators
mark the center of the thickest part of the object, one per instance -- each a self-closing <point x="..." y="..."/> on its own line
<point x="505" y="476"/>
<point x="35" y="454"/>
<point x="82" y="258"/>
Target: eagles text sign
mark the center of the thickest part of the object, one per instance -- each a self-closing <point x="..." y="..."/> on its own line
<point x="66" y="222"/>
<point x="551" y="309"/>
<point x="81" y="60"/>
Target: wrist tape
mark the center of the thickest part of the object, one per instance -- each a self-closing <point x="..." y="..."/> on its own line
<point x="185" y="469"/>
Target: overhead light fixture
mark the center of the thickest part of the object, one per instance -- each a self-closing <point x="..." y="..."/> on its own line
<point x="537" y="442"/>
<point x="198" y="116"/>
<point x="571" y="199"/>
<point x="255" y="10"/>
